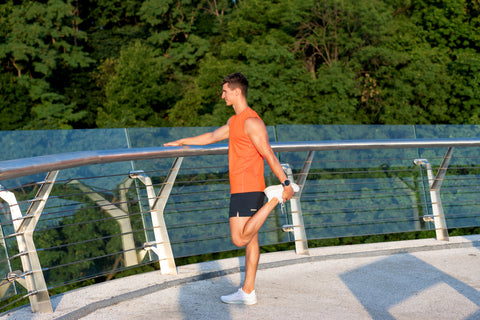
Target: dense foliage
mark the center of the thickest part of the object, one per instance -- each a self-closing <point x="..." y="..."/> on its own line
<point x="132" y="63"/>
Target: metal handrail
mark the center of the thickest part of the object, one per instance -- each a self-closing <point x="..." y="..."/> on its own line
<point x="10" y="169"/>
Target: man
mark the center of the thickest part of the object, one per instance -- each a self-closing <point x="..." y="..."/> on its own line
<point x="248" y="147"/>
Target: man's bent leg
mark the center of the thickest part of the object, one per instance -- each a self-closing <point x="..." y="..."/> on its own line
<point x="243" y="229"/>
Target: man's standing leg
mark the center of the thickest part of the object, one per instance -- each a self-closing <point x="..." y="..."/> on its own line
<point x="252" y="256"/>
<point x="244" y="231"/>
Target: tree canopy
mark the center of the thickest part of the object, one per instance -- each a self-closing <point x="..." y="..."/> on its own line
<point x="131" y="63"/>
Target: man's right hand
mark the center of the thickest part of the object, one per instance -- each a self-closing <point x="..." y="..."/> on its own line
<point x="173" y="144"/>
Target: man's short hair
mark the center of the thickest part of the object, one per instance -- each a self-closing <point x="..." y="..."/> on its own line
<point x="237" y="80"/>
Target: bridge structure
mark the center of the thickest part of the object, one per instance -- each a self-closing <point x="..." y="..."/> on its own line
<point x="85" y="217"/>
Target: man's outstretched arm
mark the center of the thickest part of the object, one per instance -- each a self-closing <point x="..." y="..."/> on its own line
<point x="219" y="134"/>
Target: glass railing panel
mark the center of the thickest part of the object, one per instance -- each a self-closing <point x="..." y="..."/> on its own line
<point x="358" y="192"/>
<point x="197" y="210"/>
<point x="25" y="144"/>
<point x="89" y="229"/>
<point x="458" y="191"/>
<point x="75" y="237"/>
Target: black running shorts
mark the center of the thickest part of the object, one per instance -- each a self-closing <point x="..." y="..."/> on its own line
<point x="246" y="204"/>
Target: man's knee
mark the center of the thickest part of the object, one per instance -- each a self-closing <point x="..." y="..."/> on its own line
<point x="238" y="241"/>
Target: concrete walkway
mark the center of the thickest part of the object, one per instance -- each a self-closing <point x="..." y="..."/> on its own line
<point x="418" y="279"/>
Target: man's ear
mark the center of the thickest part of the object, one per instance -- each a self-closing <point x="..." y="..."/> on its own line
<point x="238" y="91"/>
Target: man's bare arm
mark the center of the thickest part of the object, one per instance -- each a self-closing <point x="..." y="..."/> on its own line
<point x="256" y="130"/>
<point x="219" y="134"/>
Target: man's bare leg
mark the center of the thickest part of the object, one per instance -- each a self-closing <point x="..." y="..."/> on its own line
<point x="244" y="231"/>
<point x="252" y="256"/>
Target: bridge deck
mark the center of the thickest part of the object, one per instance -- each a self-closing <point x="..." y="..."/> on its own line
<point x="418" y="279"/>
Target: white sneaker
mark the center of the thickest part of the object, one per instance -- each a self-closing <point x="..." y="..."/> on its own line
<point x="276" y="191"/>
<point x="240" y="297"/>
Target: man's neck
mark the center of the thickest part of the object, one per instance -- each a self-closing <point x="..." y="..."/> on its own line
<point x="240" y="107"/>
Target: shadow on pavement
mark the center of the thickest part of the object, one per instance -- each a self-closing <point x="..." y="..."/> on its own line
<point x="390" y="286"/>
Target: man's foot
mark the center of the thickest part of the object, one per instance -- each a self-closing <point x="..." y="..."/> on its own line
<point x="276" y="191"/>
<point x="240" y="297"/>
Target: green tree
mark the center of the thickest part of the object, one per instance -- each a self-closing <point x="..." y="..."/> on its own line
<point x="335" y="30"/>
<point x="41" y="39"/>
<point x="176" y="30"/>
<point x="417" y="92"/>
<point x="14" y="105"/>
<point x="109" y="14"/>
<point x="281" y="88"/>
<point x="322" y="62"/>
<point x="448" y="23"/>
<point x="137" y="88"/>
<point x="464" y="100"/>
<point x="182" y="33"/>
<point x="431" y="78"/>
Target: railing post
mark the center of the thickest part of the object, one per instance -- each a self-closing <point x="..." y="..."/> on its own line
<point x="301" y="244"/>
<point x="435" y="183"/>
<point x="161" y="246"/>
<point x="24" y="228"/>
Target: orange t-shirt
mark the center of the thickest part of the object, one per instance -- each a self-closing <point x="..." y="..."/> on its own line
<point x="245" y="163"/>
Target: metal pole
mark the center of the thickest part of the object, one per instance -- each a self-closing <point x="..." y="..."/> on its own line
<point x="301" y="244"/>
<point x="24" y="228"/>
<point x="435" y="183"/>
<point x="161" y="246"/>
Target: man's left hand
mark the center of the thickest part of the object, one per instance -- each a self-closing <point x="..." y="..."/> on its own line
<point x="287" y="193"/>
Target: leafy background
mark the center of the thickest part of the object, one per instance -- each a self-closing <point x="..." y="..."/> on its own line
<point x="112" y="64"/>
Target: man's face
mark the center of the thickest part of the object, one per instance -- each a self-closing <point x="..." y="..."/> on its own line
<point x="228" y="94"/>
